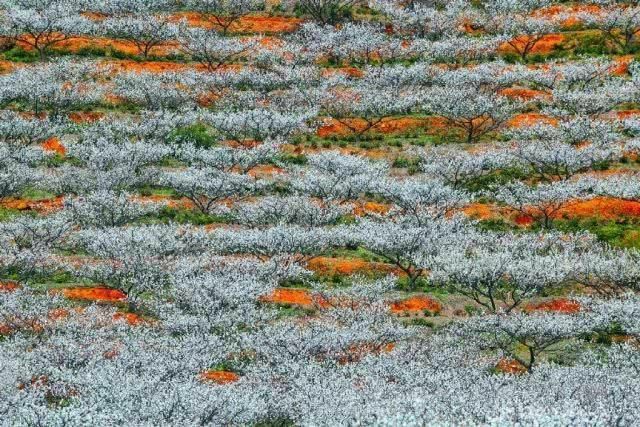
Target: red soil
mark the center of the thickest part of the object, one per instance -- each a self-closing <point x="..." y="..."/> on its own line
<point x="126" y="65"/>
<point x="332" y="127"/>
<point x="531" y="119"/>
<point x="524" y="220"/>
<point x="54" y="145"/>
<point x="247" y="143"/>
<point x="603" y="208"/>
<point x="348" y="71"/>
<point x="300" y="297"/>
<point x="79" y="43"/>
<point x="131" y="318"/>
<point x="267" y="24"/>
<point x="272" y="42"/>
<point x="510" y="366"/>
<point x="600" y="207"/>
<point x="7" y="66"/>
<point x="220" y="377"/>
<point x="41" y="206"/>
<point x="265" y="171"/>
<point x="8" y="286"/>
<point x="85" y="116"/>
<point x="399" y="125"/>
<point x="557" y="305"/>
<point x="254" y="24"/>
<point x="621" y="67"/>
<point x="246" y="24"/>
<point x="99" y="294"/>
<point x="364" y="208"/>
<point x="416" y="303"/>
<point x="482" y="211"/>
<point x="58" y="314"/>
<point x="626" y="114"/>
<point x="63" y="313"/>
<point x="346" y="266"/>
<point x="208" y="99"/>
<point x="547" y="44"/>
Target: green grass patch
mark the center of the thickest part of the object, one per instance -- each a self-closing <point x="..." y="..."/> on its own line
<point x="624" y="234"/>
<point x="7" y="214"/>
<point x="197" y="134"/>
<point x="157" y="191"/>
<point x="37" y="194"/>
<point x="18" y="54"/>
<point x="499" y="177"/>
<point x="183" y="216"/>
<point x="293" y="159"/>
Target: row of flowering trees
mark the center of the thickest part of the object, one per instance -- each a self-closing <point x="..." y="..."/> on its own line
<point x="205" y="314"/>
<point x="582" y="139"/>
<point x="447" y="31"/>
<point x="576" y="99"/>
<point x="176" y="249"/>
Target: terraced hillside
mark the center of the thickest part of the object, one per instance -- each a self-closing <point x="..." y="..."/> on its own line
<point x="319" y="212"/>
